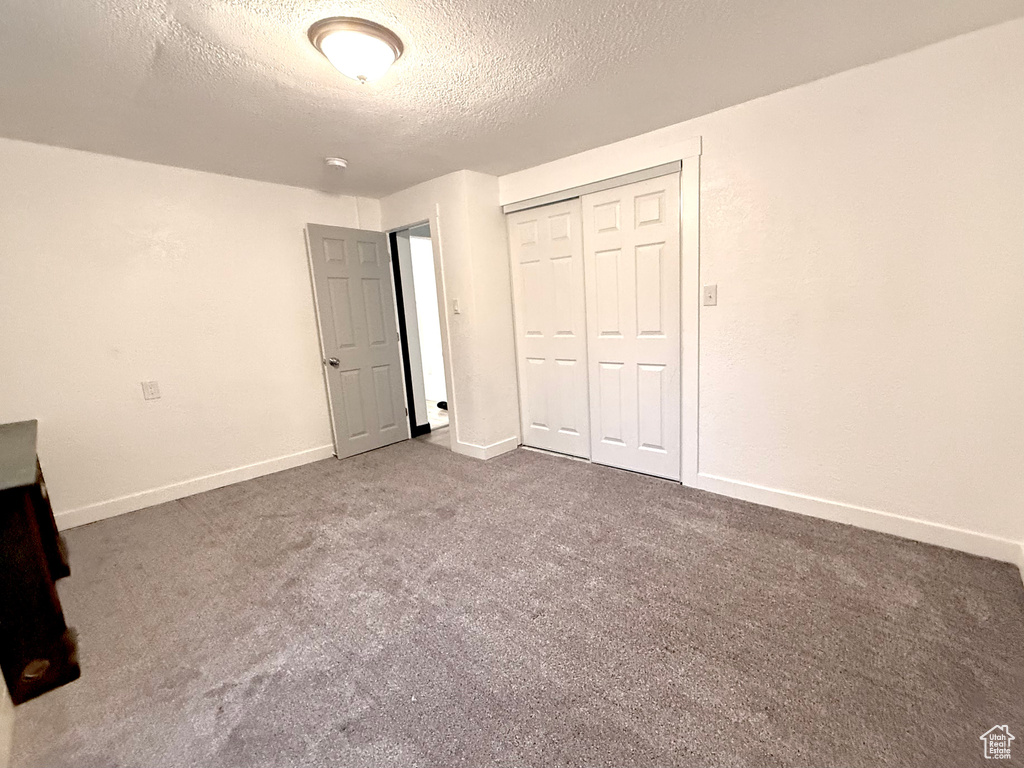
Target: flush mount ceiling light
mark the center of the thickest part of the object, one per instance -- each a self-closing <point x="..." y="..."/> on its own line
<point x="357" y="48"/>
<point x="336" y="162"/>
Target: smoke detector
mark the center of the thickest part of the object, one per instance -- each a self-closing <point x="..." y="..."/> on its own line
<point x="336" y="162"/>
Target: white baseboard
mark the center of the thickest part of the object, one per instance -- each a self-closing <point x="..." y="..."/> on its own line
<point x="486" y="451"/>
<point x="6" y="725"/>
<point x="971" y="542"/>
<point x="1020" y="561"/>
<point x="92" y="512"/>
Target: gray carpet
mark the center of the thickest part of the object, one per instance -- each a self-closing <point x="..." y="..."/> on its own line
<point x="411" y="607"/>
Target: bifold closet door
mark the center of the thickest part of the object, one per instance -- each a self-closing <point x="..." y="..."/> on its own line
<point x="632" y="270"/>
<point x="550" y="319"/>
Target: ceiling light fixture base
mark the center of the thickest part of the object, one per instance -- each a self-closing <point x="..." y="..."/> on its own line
<point x="359" y="48"/>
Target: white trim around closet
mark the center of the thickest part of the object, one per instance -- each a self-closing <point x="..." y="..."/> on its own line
<point x="689" y="248"/>
<point x="595" y="186"/>
<point x="544" y="188"/>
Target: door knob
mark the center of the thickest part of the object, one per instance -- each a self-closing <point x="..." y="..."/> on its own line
<point x="333" y="362"/>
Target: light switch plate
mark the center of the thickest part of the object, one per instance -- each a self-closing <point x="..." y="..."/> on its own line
<point x="710" y="295"/>
<point x="150" y="390"/>
<point x="455" y="307"/>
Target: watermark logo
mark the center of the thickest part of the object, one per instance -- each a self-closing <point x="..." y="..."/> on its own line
<point x="997" y="742"/>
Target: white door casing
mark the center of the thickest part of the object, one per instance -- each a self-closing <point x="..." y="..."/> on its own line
<point x="550" y="321"/>
<point x="358" y="337"/>
<point x="632" y="271"/>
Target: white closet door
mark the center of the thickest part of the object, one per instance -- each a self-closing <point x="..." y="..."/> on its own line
<point x="550" y="315"/>
<point x="631" y="258"/>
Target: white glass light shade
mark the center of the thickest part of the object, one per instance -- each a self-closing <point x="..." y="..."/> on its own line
<point x="357" y="48"/>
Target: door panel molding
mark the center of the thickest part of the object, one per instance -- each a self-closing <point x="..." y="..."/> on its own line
<point x="545" y="246"/>
<point x="632" y="273"/>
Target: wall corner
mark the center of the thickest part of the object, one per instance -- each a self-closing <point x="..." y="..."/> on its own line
<point x="1020" y="562"/>
<point x="6" y="725"/>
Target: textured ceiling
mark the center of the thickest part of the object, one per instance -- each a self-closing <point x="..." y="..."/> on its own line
<point x="233" y="86"/>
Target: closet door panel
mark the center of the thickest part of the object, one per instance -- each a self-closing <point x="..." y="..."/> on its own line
<point x="550" y="317"/>
<point x="632" y="274"/>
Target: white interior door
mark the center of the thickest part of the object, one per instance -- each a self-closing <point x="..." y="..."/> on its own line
<point x="355" y="308"/>
<point x="631" y="259"/>
<point x="550" y="318"/>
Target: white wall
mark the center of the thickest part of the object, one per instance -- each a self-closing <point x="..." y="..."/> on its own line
<point x="865" y="361"/>
<point x="471" y="264"/>
<point x="429" y="324"/>
<point x="113" y="272"/>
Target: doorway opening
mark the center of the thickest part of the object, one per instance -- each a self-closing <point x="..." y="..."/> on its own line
<point x="416" y="297"/>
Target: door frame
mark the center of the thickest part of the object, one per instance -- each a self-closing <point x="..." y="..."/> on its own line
<point x="689" y="315"/>
<point x="415" y="430"/>
<point x="434" y="223"/>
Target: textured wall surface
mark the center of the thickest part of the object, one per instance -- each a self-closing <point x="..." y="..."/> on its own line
<point x="233" y="86"/>
<point x="866" y="233"/>
<point x="115" y="272"/>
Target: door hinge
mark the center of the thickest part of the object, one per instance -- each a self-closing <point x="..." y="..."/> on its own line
<point x="406" y="411"/>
